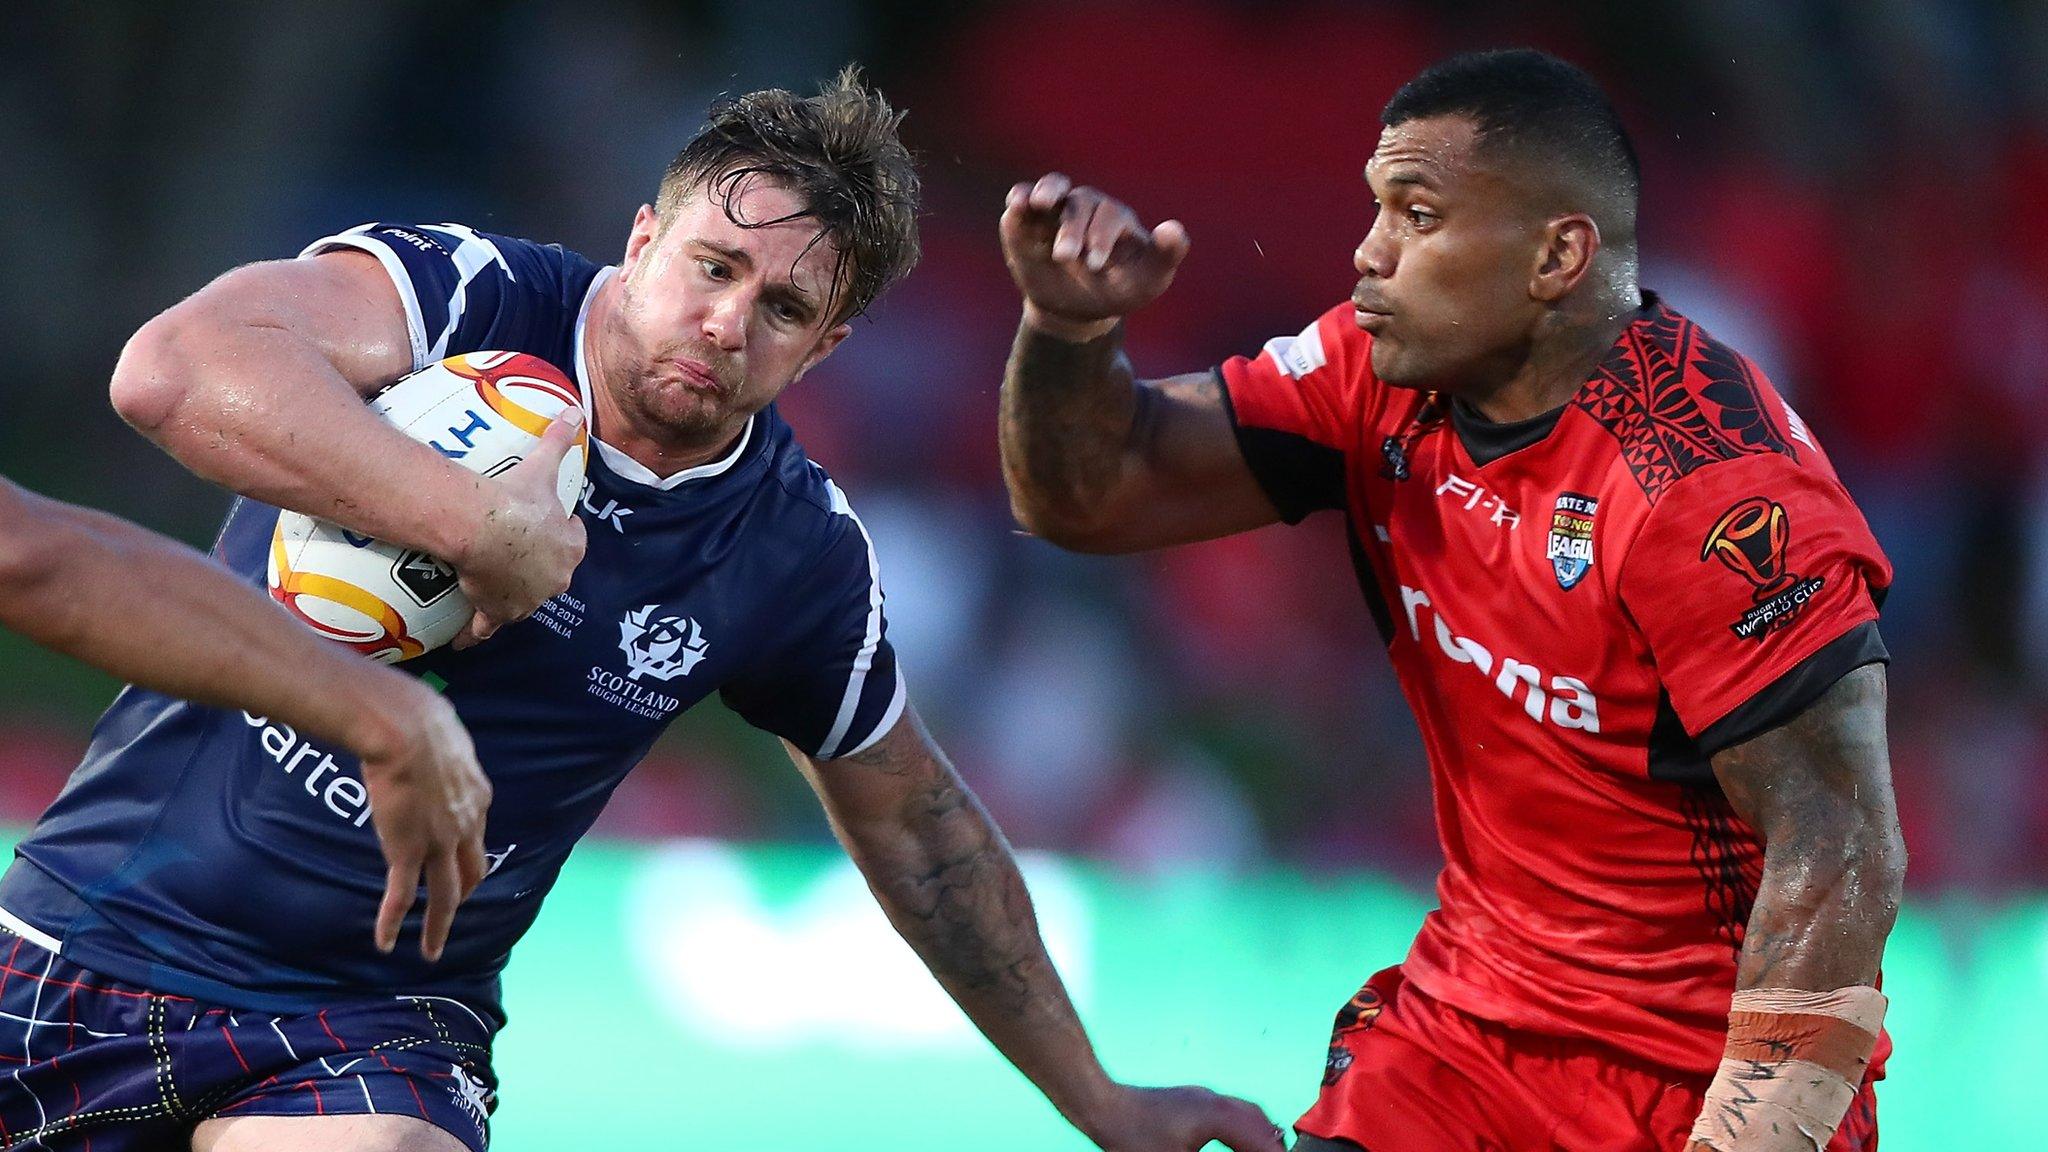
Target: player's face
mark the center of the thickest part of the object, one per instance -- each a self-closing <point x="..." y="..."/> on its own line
<point x="716" y="319"/>
<point x="1445" y="269"/>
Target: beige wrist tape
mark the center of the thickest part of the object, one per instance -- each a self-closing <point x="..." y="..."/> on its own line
<point x="1794" y="1062"/>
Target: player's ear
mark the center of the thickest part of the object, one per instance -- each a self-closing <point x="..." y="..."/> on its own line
<point x="823" y="348"/>
<point x="646" y="226"/>
<point x="1569" y="245"/>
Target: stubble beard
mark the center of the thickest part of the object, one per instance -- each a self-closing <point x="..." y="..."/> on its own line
<point x="675" y="412"/>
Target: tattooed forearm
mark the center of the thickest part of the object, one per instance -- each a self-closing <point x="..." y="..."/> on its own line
<point x="956" y="895"/>
<point x="1067" y="414"/>
<point x="1819" y="792"/>
<point x="948" y="882"/>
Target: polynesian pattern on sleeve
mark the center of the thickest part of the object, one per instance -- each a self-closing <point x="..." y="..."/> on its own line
<point x="1667" y="429"/>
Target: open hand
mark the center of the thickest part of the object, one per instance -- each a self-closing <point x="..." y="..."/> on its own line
<point x="428" y="800"/>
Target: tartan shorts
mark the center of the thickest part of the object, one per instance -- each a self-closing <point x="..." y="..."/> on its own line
<point x="96" y="1065"/>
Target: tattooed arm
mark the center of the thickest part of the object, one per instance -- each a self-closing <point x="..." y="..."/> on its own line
<point x="1095" y="459"/>
<point x="946" y="878"/>
<point x="1819" y="792"/>
<point x="1805" y="1019"/>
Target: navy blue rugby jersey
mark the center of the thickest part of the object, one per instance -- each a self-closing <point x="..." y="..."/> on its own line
<point x="224" y="856"/>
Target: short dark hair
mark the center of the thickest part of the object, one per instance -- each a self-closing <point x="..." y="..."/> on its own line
<point x="1537" y="107"/>
<point x="839" y="152"/>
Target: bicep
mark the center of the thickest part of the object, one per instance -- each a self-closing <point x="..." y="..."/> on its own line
<point x="1823" y="778"/>
<point x="341" y="307"/>
<point x="1184" y="477"/>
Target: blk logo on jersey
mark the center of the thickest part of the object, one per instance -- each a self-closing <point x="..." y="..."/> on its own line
<point x="611" y="511"/>
<point x="1750" y="540"/>
<point x="1570" y="548"/>
<point x="663" y="647"/>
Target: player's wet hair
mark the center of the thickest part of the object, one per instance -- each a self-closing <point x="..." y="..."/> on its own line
<point x="1532" y="108"/>
<point x="839" y="152"/>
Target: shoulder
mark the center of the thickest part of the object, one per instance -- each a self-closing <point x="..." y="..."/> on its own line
<point x="466" y="290"/>
<point x="449" y="255"/>
<point x="811" y="510"/>
<point x="1316" y="383"/>
<point x="1331" y="349"/>
<point x="1678" y="401"/>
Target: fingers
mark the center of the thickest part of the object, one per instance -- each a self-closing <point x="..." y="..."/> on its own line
<point x="1171" y="239"/>
<point x="1077" y="217"/>
<point x="475" y="632"/>
<point x="1244" y="1127"/>
<point x="555" y="443"/>
<point x="1091" y="228"/>
<point x="401" y="887"/>
<point x="1047" y="193"/>
<point x="444" y="892"/>
<point x="470" y="863"/>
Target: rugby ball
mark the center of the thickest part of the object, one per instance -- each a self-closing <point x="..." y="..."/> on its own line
<point x="483" y="410"/>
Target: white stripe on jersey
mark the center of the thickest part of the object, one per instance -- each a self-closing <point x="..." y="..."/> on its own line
<point x="471" y="256"/>
<point x="31" y="933"/>
<point x="865" y="660"/>
<point x="1299" y="355"/>
<point x="889" y="716"/>
<point x="358" y="238"/>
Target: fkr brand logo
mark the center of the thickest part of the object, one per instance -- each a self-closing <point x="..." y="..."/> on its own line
<point x="1750" y="540"/>
<point x="663" y="647"/>
<point x="1478" y="499"/>
<point x="1570" y="548"/>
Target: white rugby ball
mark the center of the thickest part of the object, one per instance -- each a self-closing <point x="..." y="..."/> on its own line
<point x="483" y="410"/>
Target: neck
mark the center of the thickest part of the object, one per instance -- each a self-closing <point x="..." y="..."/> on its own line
<point x="659" y="450"/>
<point x="1565" y="350"/>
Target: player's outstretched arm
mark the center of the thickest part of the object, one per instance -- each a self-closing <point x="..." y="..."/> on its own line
<point x="187" y="628"/>
<point x="1095" y="459"/>
<point x="256" y="382"/>
<point x="1806" y="1012"/>
<point x="949" y="884"/>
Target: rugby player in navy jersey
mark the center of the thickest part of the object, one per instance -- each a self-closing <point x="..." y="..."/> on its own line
<point x="196" y="908"/>
<point x="1630" y="603"/>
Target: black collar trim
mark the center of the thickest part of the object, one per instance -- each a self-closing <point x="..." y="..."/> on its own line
<point x="1486" y="440"/>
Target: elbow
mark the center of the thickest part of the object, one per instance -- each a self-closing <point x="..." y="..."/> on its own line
<point x="36" y="540"/>
<point x="149" y="387"/>
<point x="18" y="536"/>
<point x="1067" y="529"/>
<point x="1888" y="869"/>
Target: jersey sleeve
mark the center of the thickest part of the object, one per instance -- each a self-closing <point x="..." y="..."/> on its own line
<point x="452" y="279"/>
<point x="1756" y="583"/>
<point x="833" y="686"/>
<point x="1297" y="407"/>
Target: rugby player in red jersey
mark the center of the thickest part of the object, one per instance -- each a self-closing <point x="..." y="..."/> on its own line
<point x="1627" y="598"/>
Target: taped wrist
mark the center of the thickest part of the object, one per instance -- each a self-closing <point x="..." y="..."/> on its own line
<point x="1793" y="1064"/>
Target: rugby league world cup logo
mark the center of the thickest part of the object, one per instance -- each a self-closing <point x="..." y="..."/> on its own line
<point x="1750" y="540"/>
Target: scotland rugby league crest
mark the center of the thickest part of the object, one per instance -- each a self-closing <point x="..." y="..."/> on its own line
<point x="663" y="647"/>
<point x="1570" y="548"/>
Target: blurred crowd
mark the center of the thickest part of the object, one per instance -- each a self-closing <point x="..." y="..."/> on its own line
<point x="1855" y="192"/>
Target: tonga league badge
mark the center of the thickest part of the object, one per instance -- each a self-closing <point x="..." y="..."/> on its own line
<point x="1571" y="538"/>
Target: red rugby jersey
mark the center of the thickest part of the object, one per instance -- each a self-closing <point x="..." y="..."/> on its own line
<point x="1581" y="608"/>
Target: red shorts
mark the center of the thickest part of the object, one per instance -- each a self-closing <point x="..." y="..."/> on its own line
<point x="1408" y="1073"/>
